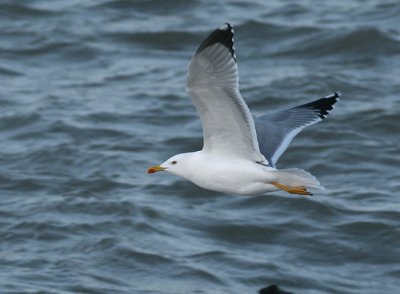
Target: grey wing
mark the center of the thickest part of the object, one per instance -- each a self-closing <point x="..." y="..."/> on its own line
<point x="213" y="84"/>
<point x="275" y="131"/>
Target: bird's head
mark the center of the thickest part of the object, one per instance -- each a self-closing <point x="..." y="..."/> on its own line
<point x="177" y="164"/>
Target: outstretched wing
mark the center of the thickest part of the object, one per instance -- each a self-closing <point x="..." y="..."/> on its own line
<point x="213" y="84"/>
<point x="275" y="131"/>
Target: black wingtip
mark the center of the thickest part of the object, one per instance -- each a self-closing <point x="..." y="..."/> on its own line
<point x="324" y="105"/>
<point x="334" y="95"/>
<point x="222" y="35"/>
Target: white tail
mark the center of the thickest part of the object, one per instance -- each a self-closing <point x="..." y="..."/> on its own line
<point x="297" y="177"/>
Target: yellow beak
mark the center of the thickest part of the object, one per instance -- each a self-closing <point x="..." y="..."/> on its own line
<point x="156" y="168"/>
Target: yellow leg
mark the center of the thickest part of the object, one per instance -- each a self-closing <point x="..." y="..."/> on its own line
<point x="301" y="190"/>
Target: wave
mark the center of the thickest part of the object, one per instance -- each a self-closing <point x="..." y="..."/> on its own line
<point x="65" y="50"/>
<point x="288" y="40"/>
<point x="149" y="6"/>
<point x="14" y="120"/>
<point x="19" y="9"/>
<point x="9" y="72"/>
<point x="265" y="31"/>
<point x="166" y="40"/>
<point x="364" y="41"/>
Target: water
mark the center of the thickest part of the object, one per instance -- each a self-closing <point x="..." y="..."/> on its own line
<point x="93" y="92"/>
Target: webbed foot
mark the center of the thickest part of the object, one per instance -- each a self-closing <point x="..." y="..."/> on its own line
<point x="301" y="190"/>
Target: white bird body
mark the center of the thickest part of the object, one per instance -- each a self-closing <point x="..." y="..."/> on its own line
<point x="222" y="173"/>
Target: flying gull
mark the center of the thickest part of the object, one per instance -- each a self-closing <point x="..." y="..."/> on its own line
<point x="240" y="152"/>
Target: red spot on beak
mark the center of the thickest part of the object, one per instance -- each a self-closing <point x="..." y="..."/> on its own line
<point x="156" y="168"/>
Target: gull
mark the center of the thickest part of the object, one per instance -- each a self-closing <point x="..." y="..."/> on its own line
<point x="240" y="152"/>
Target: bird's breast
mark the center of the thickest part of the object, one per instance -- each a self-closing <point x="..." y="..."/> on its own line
<point x="233" y="177"/>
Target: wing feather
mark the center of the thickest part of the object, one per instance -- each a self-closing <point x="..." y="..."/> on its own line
<point x="213" y="84"/>
<point x="276" y="131"/>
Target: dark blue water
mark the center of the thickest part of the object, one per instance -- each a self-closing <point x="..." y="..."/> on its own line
<point x="93" y="92"/>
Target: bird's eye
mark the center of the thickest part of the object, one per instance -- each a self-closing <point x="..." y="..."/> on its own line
<point x="174" y="162"/>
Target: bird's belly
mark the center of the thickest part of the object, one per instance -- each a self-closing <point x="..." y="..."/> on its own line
<point x="233" y="180"/>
